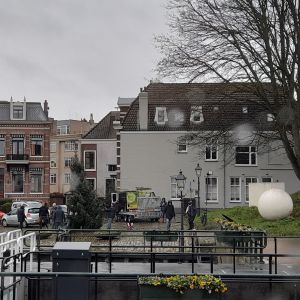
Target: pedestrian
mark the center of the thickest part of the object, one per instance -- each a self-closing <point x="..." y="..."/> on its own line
<point x="111" y="213"/>
<point x="52" y="211"/>
<point x="21" y="216"/>
<point x="191" y="212"/>
<point x="44" y="216"/>
<point x="129" y="221"/>
<point x="163" y="205"/>
<point x="170" y="214"/>
<point x="58" y="217"/>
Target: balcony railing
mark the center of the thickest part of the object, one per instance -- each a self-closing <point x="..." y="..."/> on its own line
<point x="17" y="158"/>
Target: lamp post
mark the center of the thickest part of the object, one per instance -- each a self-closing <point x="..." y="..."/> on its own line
<point x="198" y="171"/>
<point x="180" y="179"/>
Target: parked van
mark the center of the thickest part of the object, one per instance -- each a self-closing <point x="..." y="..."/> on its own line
<point x="18" y="204"/>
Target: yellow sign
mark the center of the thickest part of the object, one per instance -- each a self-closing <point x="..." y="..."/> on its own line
<point x="131" y="200"/>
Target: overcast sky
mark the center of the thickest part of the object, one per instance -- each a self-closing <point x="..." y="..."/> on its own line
<point x="80" y="55"/>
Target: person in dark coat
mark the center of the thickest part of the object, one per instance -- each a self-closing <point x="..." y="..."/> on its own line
<point x="44" y="216"/>
<point x="58" y="217"/>
<point x="191" y="212"/>
<point x="111" y="213"/>
<point x="129" y="221"/>
<point x="21" y="216"/>
<point x="170" y="214"/>
<point x="163" y="205"/>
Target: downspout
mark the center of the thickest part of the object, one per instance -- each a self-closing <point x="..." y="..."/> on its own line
<point x="224" y="175"/>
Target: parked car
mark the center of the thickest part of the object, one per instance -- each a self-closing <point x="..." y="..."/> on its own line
<point x="31" y="213"/>
<point x="18" y="204"/>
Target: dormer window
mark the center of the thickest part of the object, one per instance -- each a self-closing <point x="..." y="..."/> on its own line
<point x="196" y="114"/>
<point x="161" y="116"/>
<point x="245" y="110"/>
<point x="181" y="146"/>
<point x="270" y="117"/>
<point x="17" y="111"/>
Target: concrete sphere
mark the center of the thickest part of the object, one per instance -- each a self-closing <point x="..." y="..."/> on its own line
<point x="275" y="204"/>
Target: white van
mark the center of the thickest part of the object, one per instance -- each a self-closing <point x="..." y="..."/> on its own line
<point x="18" y="204"/>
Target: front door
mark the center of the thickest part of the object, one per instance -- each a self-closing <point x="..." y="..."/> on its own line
<point x="1" y="183"/>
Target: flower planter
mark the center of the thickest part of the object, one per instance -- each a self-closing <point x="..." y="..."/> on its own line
<point x="157" y="293"/>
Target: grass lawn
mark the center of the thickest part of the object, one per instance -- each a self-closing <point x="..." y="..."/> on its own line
<point x="250" y="216"/>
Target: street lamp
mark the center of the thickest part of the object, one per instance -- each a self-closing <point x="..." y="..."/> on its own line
<point x="198" y="171"/>
<point x="180" y="179"/>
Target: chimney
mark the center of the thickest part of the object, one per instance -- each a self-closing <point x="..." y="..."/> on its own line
<point x="46" y="108"/>
<point x="91" y="121"/>
<point x="143" y="110"/>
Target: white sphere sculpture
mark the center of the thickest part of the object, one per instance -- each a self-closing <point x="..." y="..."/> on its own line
<point x="275" y="204"/>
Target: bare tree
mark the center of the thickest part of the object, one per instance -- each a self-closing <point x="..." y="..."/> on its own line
<point x="245" y="41"/>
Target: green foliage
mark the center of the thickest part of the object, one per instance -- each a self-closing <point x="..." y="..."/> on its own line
<point x="250" y="216"/>
<point x="6" y="205"/>
<point x="85" y="207"/>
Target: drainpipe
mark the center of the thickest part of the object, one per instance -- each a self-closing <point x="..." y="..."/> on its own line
<point x="224" y="175"/>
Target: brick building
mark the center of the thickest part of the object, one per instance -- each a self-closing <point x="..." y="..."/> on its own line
<point x="24" y="150"/>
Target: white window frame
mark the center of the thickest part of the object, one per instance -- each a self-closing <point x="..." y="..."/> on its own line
<point x="181" y="143"/>
<point x="71" y="145"/>
<point x="195" y="110"/>
<point x="53" y="163"/>
<point x="95" y="182"/>
<point x="211" y="152"/>
<point x="63" y="129"/>
<point x="235" y="186"/>
<point x="250" y="152"/>
<point x="67" y="178"/>
<point x="13" y="105"/>
<point x="53" y="179"/>
<point x="206" y="189"/>
<point x="173" y="188"/>
<point x="95" y="160"/>
<point x="247" y="186"/>
<point x="69" y="160"/>
<point x="156" y="118"/>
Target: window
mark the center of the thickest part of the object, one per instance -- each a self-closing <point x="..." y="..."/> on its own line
<point x="18" y="181"/>
<point x="248" y="181"/>
<point x="270" y="117"/>
<point x="68" y="161"/>
<point x="90" y="160"/>
<point x="53" y="147"/>
<point x="53" y="162"/>
<point x="71" y="146"/>
<point x="235" y="189"/>
<point x="36" y="146"/>
<point x="211" y="189"/>
<point x="2" y="146"/>
<point x="18" y="146"/>
<point x="36" y="176"/>
<point x="181" y="146"/>
<point x="216" y="108"/>
<point x="63" y="129"/>
<point x="92" y="182"/>
<point x="67" y="178"/>
<point x="211" y="153"/>
<point x="246" y="155"/>
<point x="161" y="116"/>
<point x="174" y="192"/>
<point x="18" y="112"/>
<point x="52" y="178"/>
<point x="196" y="114"/>
<point x="266" y="179"/>
<point x="245" y="110"/>
<point x="112" y="168"/>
